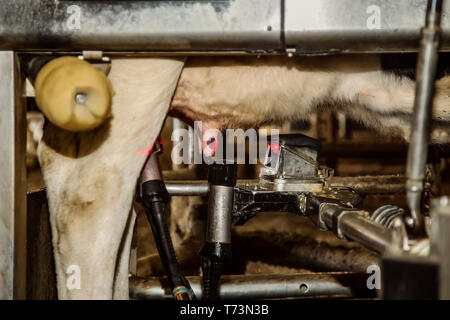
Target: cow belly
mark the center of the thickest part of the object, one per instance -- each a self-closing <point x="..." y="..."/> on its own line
<point x="90" y="179"/>
<point x="247" y="92"/>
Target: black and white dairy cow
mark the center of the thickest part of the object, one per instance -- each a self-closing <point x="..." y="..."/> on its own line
<point x="90" y="176"/>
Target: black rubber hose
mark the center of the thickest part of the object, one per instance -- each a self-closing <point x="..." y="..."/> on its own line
<point x="154" y="201"/>
<point x="212" y="272"/>
<point x="214" y="255"/>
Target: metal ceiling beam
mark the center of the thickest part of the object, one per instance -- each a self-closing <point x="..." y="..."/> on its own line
<point x="224" y="26"/>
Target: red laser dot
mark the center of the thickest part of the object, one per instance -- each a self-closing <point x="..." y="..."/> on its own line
<point x="214" y="148"/>
<point x="275" y="147"/>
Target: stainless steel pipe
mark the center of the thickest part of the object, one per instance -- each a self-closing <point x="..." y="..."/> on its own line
<point x="353" y="225"/>
<point x="259" y="286"/>
<point x="422" y="114"/>
<point x="188" y="188"/>
<point x="256" y="27"/>
<point x="366" y="232"/>
<point x="219" y="214"/>
<point x="364" y="185"/>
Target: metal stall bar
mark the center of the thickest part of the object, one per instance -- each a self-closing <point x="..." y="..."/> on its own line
<point x="12" y="180"/>
<point x="266" y="26"/>
<point x="354" y="225"/>
<point x="364" y="185"/>
<point x="261" y="286"/>
<point x="422" y="114"/>
<point x="141" y="25"/>
<point x="327" y="26"/>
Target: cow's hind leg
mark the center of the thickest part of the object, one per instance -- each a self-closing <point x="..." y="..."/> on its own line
<point x="385" y="102"/>
<point x="90" y="179"/>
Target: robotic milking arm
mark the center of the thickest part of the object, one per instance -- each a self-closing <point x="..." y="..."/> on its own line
<point x="292" y="180"/>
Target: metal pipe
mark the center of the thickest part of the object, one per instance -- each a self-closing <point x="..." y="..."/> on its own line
<point x="141" y="25"/>
<point x="259" y="286"/>
<point x="351" y="224"/>
<point x="366" y="232"/>
<point x="188" y="188"/>
<point x="372" y="185"/>
<point x="216" y="250"/>
<point x="326" y="26"/>
<point x="220" y="208"/>
<point x="422" y="114"/>
<point x="364" y="185"/>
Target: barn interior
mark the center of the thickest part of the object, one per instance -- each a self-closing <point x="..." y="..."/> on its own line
<point x="328" y="234"/>
<point x="307" y="253"/>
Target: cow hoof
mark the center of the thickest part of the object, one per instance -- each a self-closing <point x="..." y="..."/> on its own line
<point x="73" y="94"/>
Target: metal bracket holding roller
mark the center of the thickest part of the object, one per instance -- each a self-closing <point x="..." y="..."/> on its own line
<point x="98" y="60"/>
